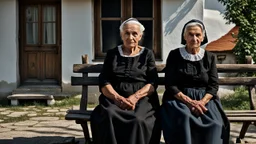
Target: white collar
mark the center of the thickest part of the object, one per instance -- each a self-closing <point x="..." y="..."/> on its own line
<point x="192" y="57"/>
<point x="122" y="54"/>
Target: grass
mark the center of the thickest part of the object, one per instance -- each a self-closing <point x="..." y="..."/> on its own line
<point x="13" y="119"/>
<point x="37" y="106"/>
<point x="237" y="101"/>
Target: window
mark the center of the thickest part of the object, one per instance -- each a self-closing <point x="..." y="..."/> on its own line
<point x="109" y="15"/>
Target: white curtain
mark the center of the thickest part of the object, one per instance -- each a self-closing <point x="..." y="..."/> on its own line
<point x="49" y="24"/>
<point x="32" y="25"/>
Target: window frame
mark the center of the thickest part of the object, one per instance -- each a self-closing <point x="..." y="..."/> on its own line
<point x="126" y="12"/>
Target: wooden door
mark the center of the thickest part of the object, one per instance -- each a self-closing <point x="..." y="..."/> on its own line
<point x="40" y="49"/>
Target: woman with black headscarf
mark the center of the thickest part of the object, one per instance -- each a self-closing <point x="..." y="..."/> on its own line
<point x="191" y="111"/>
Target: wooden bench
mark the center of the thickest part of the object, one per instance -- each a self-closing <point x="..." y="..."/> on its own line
<point x="82" y="116"/>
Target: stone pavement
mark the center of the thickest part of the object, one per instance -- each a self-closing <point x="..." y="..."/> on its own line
<point x="47" y="125"/>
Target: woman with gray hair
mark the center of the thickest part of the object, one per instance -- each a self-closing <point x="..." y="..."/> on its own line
<point x="191" y="111"/>
<point x="128" y="104"/>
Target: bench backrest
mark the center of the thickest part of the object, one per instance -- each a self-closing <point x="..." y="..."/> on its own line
<point x="85" y="80"/>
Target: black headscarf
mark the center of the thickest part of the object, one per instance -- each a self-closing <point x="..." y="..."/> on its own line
<point x="183" y="41"/>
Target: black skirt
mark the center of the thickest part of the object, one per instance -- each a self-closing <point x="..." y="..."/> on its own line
<point x="112" y="125"/>
<point x="180" y="126"/>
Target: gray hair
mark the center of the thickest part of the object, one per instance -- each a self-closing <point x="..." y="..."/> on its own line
<point x="194" y="24"/>
<point x="134" y="21"/>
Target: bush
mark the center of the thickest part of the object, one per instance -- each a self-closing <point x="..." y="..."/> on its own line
<point x="237" y="101"/>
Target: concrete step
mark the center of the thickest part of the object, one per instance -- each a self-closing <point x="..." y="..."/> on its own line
<point x="16" y="97"/>
<point x="53" y="90"/>
<point x="37" y="88"/>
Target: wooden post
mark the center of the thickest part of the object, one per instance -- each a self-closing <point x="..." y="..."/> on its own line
<point x="83" y="102"/>
<point x="85" y="59"/>
<point x="84" y="98"/>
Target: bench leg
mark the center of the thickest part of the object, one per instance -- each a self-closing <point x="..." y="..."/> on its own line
<point x="14" y="102"/>
<point x="243" y="131"/>
<point x="86" y="133"/>
<point x="50" y="102"/>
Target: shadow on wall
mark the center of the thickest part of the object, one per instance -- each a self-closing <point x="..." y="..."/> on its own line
<point x="175" y="18"/>
<point x="6" y="88"/>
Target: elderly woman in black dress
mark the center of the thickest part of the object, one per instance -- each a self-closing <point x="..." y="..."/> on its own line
<point x="128" y="103"/>
<point x="191" y="111"/>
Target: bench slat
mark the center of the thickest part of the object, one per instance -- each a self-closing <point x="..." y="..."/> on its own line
<point x="84" y="81"/>
<point x="240" y="111"/>
<point x="239" y="116"/>
<point x="228" y="68"/>
<point x="222" y="81"/>
<point x="79" y="111"/>
<point x="70" y="116"/>
<point x="242" y="119"/>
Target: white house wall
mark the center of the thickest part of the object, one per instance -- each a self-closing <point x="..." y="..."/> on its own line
<point x="8" y="46"/>
<point x="77" y="33"/>
<point x="175" y="13"/>
<point x="214" y="20"/>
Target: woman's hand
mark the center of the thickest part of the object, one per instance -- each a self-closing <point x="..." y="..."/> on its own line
<point x="123" y="103"/>
<point x="133" y="99"/>
<point x="197" y="107"/>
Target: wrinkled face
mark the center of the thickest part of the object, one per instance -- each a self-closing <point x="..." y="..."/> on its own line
<point x="193" y="36"/>
<point x="131" y="35"/>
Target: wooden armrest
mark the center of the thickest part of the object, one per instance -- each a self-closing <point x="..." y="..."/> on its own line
<point x="84" y="117"/>
<point x="79" y="112"/>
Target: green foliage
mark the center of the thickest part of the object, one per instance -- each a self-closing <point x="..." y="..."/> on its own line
<point x="237" y="101"/>
<point x="243" y="14"/>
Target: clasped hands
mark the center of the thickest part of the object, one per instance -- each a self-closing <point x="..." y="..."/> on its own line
<point x="126" y="103"/>
<point x="197" y="107"/>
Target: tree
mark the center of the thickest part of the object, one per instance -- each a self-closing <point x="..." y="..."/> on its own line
<point x="243" y="14"/>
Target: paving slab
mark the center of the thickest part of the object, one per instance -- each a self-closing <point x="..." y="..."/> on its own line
<point x="44" y="118"/>
<point x="26" y="123"/>
<point x="17" y="114"/>
<point x="54" y="126"/>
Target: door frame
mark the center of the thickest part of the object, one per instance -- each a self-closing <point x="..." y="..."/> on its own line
<point x="21" y="35"/>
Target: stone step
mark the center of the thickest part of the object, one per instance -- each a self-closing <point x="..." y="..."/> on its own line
<point x="16" y="97"/>
<point x="37" y="88"/>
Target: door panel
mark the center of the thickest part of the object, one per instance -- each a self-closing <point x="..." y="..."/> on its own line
<point x="40" y="42"/>
<point x="50" y="67"/>
<point x="32" y="66"/>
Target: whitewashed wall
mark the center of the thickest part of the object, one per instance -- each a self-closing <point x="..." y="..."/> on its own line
<point x="175" y="13"/>
<point x="8" y="46"/>
<point x="77" y="35"/>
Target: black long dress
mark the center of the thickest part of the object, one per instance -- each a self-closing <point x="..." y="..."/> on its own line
<point x="112" y="125"/>
<point x="194" y="78"/>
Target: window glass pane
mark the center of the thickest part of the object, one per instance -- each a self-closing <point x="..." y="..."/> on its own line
<point x="31" y="14"/>
<point x="110" y="35"/>
<point x="142" y="8"/>
<point x="147" y="39"/>
<point x="32" y="33"/>
<point x="110" y="8"/>
<point x="49" y="14"/>
<point x="49" y="33"/>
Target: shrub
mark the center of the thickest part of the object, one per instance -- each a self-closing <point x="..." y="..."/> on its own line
<point x="237" y="101"/>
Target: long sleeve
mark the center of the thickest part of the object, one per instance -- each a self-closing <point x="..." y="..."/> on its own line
<point x="151" y="73"/>
<point x="171" y="75"/>
<point x="213" y="85"/>
<point x="105" y="75"/>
